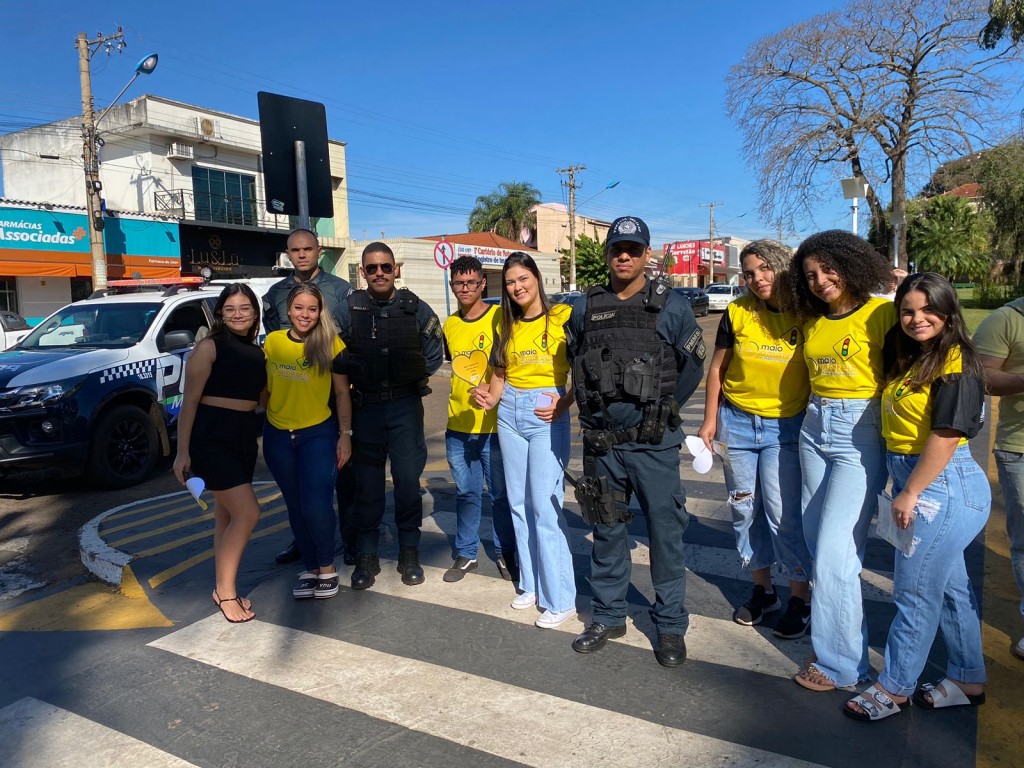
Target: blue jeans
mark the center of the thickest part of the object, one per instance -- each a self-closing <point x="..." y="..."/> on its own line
<point x="652" y="473"/>
<point x="393" y="430"/>
<point x="474" y="458"/>
<point x="304" y="463"/>
<point x="762" y="473"/>
<point x="931" y="588"/>
<point x="1010" y="466"/>
<point x="535" y="454"/>
<point x="842" y="456"/>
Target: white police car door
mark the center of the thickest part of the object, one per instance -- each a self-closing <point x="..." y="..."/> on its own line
<point x="193" y="318"/>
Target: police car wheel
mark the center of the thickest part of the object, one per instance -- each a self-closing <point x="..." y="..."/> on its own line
<point x="125" y="448"/>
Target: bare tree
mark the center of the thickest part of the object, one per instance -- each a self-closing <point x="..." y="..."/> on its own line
<point x="873" y="91"/>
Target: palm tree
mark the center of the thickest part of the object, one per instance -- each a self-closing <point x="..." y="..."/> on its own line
<point x="949" y="237"/>
<point x="506" y="211"/>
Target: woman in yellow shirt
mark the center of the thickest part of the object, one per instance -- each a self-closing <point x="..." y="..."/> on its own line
<point x="931" y="406"/>
<point x="530" y="373"/>
<point x="842" y="455"/>
<point x="302" y="443"/>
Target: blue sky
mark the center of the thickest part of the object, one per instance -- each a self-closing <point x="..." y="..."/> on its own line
<point x="439" y="102"/>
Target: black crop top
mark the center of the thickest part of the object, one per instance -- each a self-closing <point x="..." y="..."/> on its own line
<point x="240" y="370"/>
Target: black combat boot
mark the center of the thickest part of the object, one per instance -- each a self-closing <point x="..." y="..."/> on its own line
<point x="409" y="566"/>
<point x="367" y="567"/>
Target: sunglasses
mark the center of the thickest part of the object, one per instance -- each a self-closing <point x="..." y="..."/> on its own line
<point x="371" y="269"/>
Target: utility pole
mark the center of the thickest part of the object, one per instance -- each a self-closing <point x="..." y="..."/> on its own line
<point x="90" y="159"/>
<point x="711" y="239"/>
<point x="571" y="184"/>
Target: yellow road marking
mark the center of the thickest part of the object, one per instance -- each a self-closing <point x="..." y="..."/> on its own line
<point x="186" y="505"/>
<point x="999" y="719"/>
<point x="92" y="606"/>
<point x="183" y="566"/>
<point x="205" y="534"/>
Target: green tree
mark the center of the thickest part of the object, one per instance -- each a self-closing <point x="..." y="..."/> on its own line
<point x="947" y="235"/>
<point x="875" y="90"/>
<point x="1006" y="17"/>
<point x="507" y="211"/>
<point x="591" y="267"/>
<point x="1002" y="190"/>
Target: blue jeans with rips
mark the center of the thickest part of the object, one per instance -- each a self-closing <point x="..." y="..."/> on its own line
<point x="842" y="456"/>
<point x="762" y="474"/>
<point x="931" y="588"/>
<point x="474" y="459"/>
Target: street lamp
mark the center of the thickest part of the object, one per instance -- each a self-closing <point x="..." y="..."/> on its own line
<point x="852" y="190"/>
<point x="93" y="185"/>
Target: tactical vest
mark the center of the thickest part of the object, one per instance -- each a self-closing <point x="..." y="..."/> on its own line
<point x="622" y="358"/>
<point x="384" y="345"/>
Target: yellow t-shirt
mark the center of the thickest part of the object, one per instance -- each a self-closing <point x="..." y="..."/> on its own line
<point x="536" y="352"/>
<point x="844" y="354"/>
<point x="299" y="393"/>
<point x="767" y="375"/>
<point x="469" y="346"/>
<point x="910" y="415"/>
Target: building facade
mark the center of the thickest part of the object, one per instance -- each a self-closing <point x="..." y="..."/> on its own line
<point x="171" y="161"/>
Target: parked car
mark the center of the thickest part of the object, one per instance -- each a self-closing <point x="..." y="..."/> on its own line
<point x="13" y="328"/>
<point x="699" y="301"/>
<point x="721" y="295"/>
<point x="97" y="386"/>
<point x="566" y="297"/>
<point x="495" y="300"/>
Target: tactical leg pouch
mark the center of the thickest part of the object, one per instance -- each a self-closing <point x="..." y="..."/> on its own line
<point x="598" y="503"/>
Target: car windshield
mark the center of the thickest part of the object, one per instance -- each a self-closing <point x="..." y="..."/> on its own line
<point x="719" y="289"/>
<point x="93" y="325"/>
<point x="689" y="291"/>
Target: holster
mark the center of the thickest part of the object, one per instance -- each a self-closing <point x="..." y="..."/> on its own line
<point x="599" y="504"/>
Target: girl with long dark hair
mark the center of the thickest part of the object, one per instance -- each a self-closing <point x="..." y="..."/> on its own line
<point x="217" y="431"/>
<point x="530" y="373"/>
<point x="932" y="404"/>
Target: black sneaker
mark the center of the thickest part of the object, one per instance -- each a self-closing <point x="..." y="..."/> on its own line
<point x="756" y="607"/>
<point x="460" y="568"/>
<point x="326" y="586"/>
<point x="795" y="621"/>
<point x="508" y="567"/>
<point x="306" y="586"/>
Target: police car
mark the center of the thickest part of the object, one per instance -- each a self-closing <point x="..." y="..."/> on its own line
<point x="97" y="386"/>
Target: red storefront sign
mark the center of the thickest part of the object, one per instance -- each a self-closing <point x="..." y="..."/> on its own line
<point x="690" y="257"/>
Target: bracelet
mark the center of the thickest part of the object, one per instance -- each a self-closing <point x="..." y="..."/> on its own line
<point x="346" y="432"/>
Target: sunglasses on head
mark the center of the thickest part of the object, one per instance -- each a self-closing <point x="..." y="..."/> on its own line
<point x="371" y="269"/>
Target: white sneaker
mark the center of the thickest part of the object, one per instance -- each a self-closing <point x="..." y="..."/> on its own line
<point x="525" y="600"/>
<point x="550" y="619"/>
<point x="1018" y="649"/>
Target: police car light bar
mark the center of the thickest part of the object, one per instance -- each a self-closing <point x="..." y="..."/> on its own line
<point x="155" y="281"/>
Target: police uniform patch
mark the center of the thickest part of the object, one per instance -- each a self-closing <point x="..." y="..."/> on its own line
<point x="693" y="341"/>
<point x="433" y="327"/>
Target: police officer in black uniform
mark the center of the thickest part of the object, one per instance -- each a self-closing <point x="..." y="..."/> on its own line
<point x="304" y="251"/>
<point x="393" y="345"/>
<point x="637" y="355"/>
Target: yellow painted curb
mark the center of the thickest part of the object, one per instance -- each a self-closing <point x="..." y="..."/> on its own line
<point x="92" y="606"/>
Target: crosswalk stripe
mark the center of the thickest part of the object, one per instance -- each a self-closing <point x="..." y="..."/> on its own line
<point x="536" y="729"/>
<point x="34" y="734"/>
<point x="206" y="533"/>
<point x="187" y="503"/>
<point x="715" y="561"/>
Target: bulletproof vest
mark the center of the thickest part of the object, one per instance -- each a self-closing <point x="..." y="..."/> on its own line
<point x="384" y="345"/>
<point x="622" y="358"/>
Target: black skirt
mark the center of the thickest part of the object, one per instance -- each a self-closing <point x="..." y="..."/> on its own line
<point x="223" y="446"/>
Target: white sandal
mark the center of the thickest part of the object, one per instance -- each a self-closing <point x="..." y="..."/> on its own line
<point x="876" y="703"/>
<point x="946" y="693"/>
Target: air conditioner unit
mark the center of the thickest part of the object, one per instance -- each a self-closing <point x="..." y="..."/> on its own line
<point x="208" y="128"/>
<point x="179" y="151"/>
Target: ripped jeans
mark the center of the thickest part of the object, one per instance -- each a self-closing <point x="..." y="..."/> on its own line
<point x="931" y="588"/>
<point x="762" y="473"/>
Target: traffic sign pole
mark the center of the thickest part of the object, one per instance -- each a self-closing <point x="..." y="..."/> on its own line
<point x="444" y="255"/>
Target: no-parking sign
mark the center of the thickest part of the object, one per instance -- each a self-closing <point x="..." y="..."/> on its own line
<point x="444" y="254"/>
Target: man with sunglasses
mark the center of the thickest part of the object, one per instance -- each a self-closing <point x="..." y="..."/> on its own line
<point x="304" y="252"/>
<point x="393" y="345"/>
<point x="637" y="355"/>
<point x="471" y="440"/>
